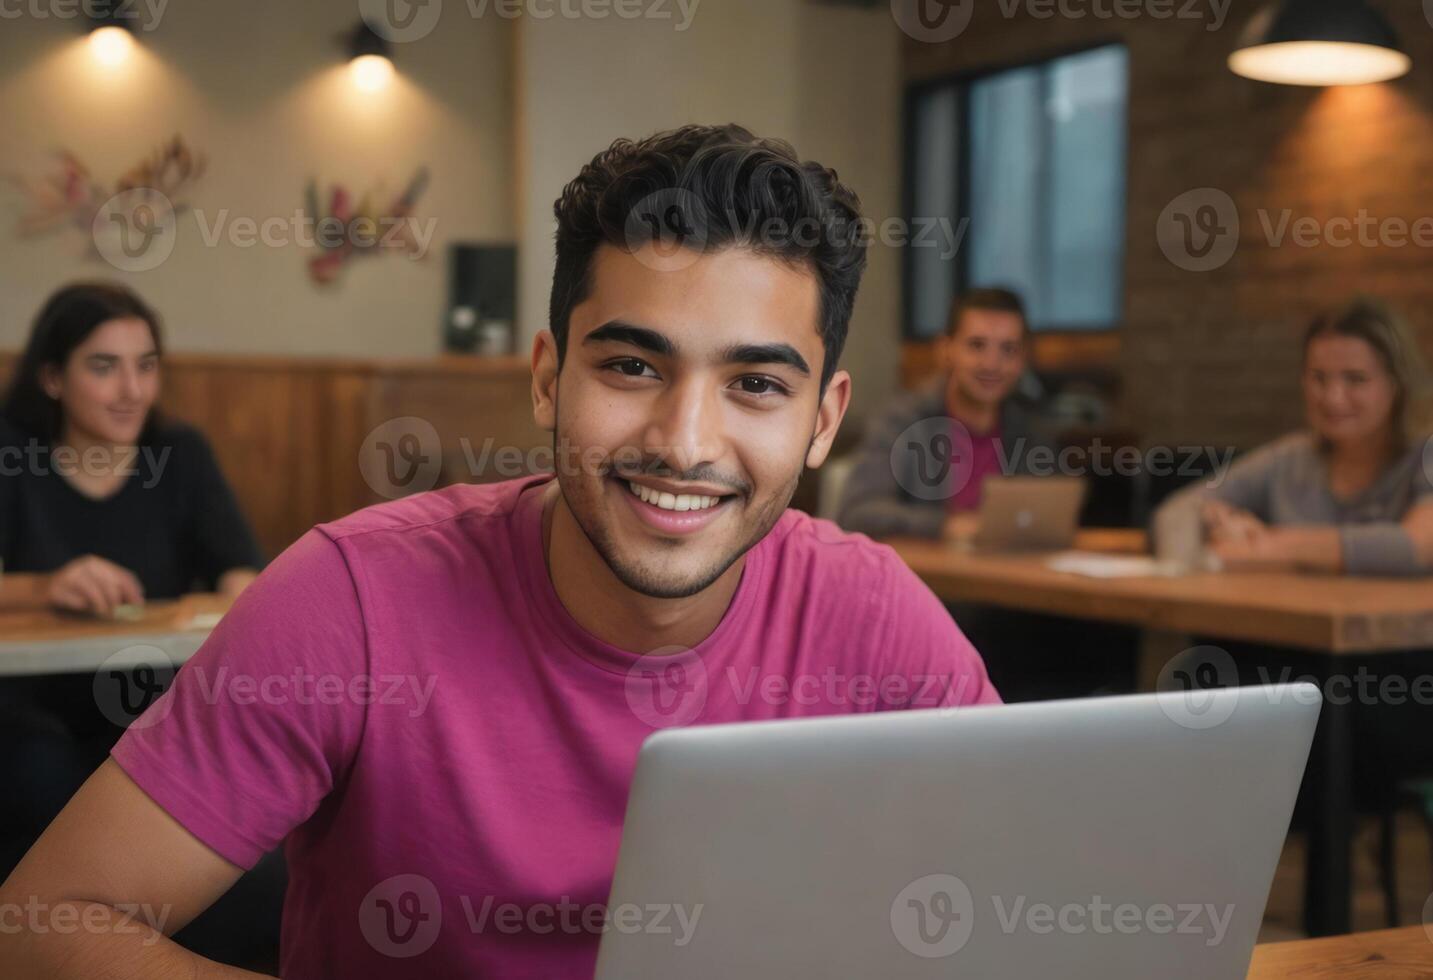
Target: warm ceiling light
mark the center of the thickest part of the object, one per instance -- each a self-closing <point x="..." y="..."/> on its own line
<point x="371" y="63"/>
<point x="111" y="45"/>
<point x="371" y="72"/>
<point x="1319" y="42"/>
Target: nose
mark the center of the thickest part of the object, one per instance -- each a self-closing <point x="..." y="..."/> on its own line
<point x="130" y="386"/>
<point x="1334" y="395"/>
<point x="687" y="429"/>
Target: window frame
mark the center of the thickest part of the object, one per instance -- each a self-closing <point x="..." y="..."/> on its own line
<point x="962" y="79"/>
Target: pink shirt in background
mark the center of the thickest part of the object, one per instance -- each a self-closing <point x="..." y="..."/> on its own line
<point x="984" y="463"/>
<point x="402" y="700"/>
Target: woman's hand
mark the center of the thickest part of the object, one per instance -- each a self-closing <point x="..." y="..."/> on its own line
<point x="93" y="585"/>
<point x="1224" y="524"/>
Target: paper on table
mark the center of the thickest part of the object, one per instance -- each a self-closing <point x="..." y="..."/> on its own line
<point x="1094" y="564"/>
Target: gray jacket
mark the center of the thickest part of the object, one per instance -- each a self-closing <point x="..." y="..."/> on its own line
<point x="892" y="490"/>
<point x="1286" y="482"/>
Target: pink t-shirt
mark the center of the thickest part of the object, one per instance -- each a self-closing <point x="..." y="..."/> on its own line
<point x="985" y="456"/>
<point x="402" y="697"/>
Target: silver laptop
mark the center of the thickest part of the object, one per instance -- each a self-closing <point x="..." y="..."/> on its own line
<point x="1102" y="838"/>
<point x="1029" y="513"/>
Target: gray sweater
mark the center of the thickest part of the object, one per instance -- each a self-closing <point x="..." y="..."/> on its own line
<point x="875" y="500"/>
<point x="1286" y="482"/>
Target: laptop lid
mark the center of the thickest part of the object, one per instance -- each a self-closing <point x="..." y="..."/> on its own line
<point x="1029" y="512"/>
<point x="1107" y="837"/>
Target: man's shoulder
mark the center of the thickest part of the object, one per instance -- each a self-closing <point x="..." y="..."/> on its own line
<point x="821" y="554"/>
<point x="434" y="511"/>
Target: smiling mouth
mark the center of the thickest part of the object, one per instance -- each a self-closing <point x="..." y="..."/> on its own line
<point x="676" y="502"/>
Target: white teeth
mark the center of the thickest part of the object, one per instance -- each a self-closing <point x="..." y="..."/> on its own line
<point x="671" y="501"/>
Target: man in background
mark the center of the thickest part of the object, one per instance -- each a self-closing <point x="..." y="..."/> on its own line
<point x="922" y="466"/>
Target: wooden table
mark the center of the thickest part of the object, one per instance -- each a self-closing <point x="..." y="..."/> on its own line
<point x="1389" y="953"/>
<point x="43" y="641"/>
<point x="1332" y="616"/>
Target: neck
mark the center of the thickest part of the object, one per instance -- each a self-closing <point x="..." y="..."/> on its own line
<point x="978" y="417"/>
<point x="609" y="610"/>
<point x="81" y="441"/>
<point x="1374" y="453"/>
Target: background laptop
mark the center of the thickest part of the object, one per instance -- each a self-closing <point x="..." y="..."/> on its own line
<point x="1029" y="513"/>
<point x="1102" y="838"/>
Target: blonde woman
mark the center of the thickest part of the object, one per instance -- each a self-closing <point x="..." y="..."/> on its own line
<point x="1351" y="494"/>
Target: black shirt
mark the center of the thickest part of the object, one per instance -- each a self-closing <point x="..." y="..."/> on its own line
<point x="174" y="522"/>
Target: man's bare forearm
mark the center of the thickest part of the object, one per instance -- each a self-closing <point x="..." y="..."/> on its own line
<point x="92" y="941"/>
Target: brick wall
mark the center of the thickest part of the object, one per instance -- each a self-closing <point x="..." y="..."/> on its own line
<point x="1212" y="357"/>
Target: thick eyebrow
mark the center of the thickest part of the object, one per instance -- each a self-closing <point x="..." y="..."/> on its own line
<point x="113" y="358"/>
<point x="766" y="354"/>
<point x="617" y="332"/>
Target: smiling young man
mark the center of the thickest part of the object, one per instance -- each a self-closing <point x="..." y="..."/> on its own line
<point x="443" y="697"/>
<point x="973" y="407"/>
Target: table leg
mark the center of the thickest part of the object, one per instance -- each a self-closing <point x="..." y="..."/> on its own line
<point x="1328" y="882"/>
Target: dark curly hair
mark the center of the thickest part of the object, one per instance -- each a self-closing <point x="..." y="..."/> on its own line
<point x="710" y="188"/>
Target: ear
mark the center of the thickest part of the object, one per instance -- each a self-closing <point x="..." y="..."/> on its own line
<point x="50" y="380"/>
<point x="829" y="414"/>
<point x="544" y="380"/>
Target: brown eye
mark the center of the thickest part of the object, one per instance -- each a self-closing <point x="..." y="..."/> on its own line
<point x="753" y="384"/>
<point x="630" y="367"/>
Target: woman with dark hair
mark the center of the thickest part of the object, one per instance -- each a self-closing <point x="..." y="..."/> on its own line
<point x="102" y="504"/>
<point x="104" y="501"/>
<point x="1353" y="493"/>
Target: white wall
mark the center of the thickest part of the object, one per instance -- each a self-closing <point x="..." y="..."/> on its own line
<point x="261" y="85"/>
<point x="504" y="111"/>
<point x="825" y="78"/>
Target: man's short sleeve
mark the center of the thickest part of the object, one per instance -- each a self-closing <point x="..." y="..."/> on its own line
<point x="260" y="725"/>
<point x="945" y="668"/>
